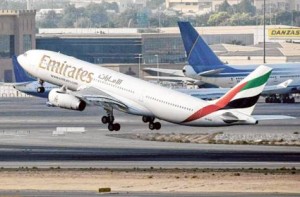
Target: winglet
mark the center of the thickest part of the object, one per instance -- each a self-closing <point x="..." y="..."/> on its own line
<point x="20" y="74"/>
<point x="198" y="52"/>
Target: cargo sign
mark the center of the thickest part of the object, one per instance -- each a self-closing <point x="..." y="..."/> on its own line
<point x="284" y="33"/>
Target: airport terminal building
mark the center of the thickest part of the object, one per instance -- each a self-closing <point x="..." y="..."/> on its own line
<point x="17" y="35"/>
<point x="125" y="46"/>
<point x="129" y="50"/>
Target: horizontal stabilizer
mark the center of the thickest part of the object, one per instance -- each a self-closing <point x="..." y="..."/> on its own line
<point x="211" y="72"/>
<point x="272" y="117"/>
<point x="166" y="71"/>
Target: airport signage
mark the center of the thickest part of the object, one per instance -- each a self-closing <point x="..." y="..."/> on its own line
<point x="284" y="33"/>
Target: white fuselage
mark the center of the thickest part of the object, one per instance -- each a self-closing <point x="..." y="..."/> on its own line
<point x="281" y="73"/>
<point x="141" y="97"/>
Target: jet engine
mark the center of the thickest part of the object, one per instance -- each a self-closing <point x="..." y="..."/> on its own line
<point x="189" y="71"/>
<point x="64" y="100"/>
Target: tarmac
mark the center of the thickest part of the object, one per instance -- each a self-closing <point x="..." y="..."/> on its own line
<point x="27" y="140"/>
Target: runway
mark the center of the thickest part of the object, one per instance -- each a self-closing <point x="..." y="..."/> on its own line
<point x="26" y="140"/>
<point x="137" y="194"/>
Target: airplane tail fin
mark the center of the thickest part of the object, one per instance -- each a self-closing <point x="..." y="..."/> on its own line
<point x="20" y="74"/>
<point x="245" y="94"/>
<point x="199" y="54"/>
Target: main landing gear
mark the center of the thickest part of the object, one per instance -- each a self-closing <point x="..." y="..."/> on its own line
<point x="109" y="119"/>
<point x="281" y="99"/>
<point x="152" y="125"/>
<point x="41" y="88"/>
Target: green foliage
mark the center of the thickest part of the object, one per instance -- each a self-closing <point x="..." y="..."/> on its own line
<point x="285" y="18"/>
<point x="127" y="19"/>
<point x="225" y="7"/>
<point x="202" y="20"/>
<point x="245" y="6"/>
<point x="241" y="19"/>
<point x="51" y="20"/>
<point x="97" y="14"/>
<point x="219" y="18"/>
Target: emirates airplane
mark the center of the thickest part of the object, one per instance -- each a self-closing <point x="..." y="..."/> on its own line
<point x="84" y="83"/>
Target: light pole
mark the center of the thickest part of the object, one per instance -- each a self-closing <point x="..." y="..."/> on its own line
<point x="140" y="57"/>
<point x="157" y="66"/>
<point x="264" y="31"/>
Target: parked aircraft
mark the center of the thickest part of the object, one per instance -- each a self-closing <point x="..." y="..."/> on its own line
<point x="205" y="67"/>
<point x="85" y="83"/>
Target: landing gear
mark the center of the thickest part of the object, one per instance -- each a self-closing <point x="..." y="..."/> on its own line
<point x="272" y="99"/>
<point x="109" y="119"/>
<point x="281" y="99"/>
<point x="41" y="88"/>
<point x="152" y="125"/>
<point x="287" y="99"/>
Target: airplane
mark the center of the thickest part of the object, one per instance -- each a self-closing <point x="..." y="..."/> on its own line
<point x="84" y="84"/>
<point x="29" y="85"/>
<point x="205" y="67"/>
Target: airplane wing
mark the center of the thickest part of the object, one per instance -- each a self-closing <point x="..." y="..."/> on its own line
<point x="174" y="72"/>
<point x="281" y="88"/>
<point x="93" y="96"/>
<point x="15" y="84"/>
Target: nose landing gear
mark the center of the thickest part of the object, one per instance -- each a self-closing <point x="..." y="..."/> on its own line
<point x="41" y="88"/>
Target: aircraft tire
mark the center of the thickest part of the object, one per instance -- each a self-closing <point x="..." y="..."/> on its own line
<point x="111" y="127"/>
<point x="267" y="100"/>
<point x="293" y="100"/>
<point x="105" y="119"/>
<point x="157" y="125"/>
<point x="40" y="90"/>
<point x="117" y="127"/>
<point x="151" y="126"/>
<point x="145" y="119"/>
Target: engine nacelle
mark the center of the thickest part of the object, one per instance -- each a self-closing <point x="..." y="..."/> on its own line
<point x="65" y="100"/>
<point x="189" y="71"/>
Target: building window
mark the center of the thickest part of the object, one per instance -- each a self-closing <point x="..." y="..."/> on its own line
<point x="27" y="42"/>
<point x="7" y="46"/>
<point x="8" y="76"/>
